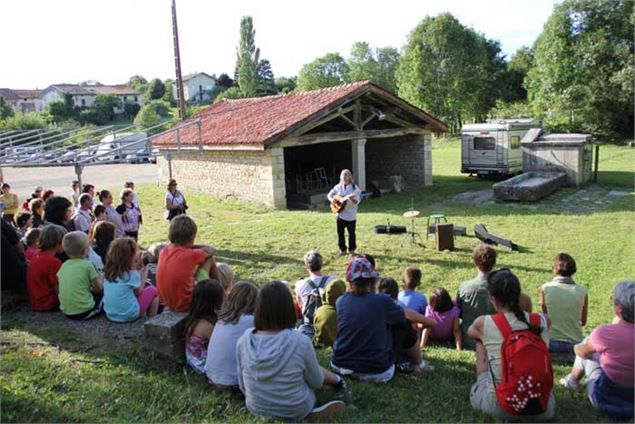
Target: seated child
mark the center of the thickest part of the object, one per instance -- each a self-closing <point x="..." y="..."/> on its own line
<point x="32" y="238"/>
<point x="309" y="290"/>
<point x="325" y="320"/>
<point x="234" y="318"/>
<point x="24" y="221"/>
<point x="36" y="206"/>
<point x="207" y="300"/>
<point x="278" y="370"/>
<point x="409" y="297"/>
<point x="41" y="275"/>
<point x="102" y="234"/>
<point x="504" y="289"/>
<point x="606" y="358"/>
<point x="151" y="259"/>
<point x="126" y="296"/>
<point x="566" y="303"/>
<point x="181" y="262"/>
<point x="226" y="276"/>
<point x="80" y="286"/>
<point x="405" y="336"/>
<point x="100" y="213"/>
<point x="446" y="314"/>
<point x="363" y="347"/>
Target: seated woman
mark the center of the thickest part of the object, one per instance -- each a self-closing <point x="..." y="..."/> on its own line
<point x="504" y="290"/>
<point x="446" y="314"/>
<point x="278" y="369"/>
<point x="606" y="358"/>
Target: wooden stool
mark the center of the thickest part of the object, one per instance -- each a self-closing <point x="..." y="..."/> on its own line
<point x="444" y="235"/>
<point x="437" y="217"/>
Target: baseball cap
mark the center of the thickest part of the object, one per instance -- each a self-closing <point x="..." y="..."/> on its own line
<point x="38" y="188"/>
<point x="360" y="268"/>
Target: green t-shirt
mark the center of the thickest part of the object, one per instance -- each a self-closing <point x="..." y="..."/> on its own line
<point x="75" y="278"/>
<point x="565" y="299"/>
<point x="473" y="301"/>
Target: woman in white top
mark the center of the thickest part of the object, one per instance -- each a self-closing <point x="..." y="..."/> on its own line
<point x="175" y="203"/>
<point x="350" y="195"/>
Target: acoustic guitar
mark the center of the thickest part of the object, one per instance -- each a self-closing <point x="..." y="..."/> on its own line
<point x="339" y="203"/>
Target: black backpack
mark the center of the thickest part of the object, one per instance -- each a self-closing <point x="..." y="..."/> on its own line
<point x="314" y="301"/>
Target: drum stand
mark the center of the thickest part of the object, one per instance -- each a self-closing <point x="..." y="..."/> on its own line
<point x="413" y="235"/>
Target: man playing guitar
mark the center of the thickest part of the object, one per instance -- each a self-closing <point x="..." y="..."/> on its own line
<point x="344" y="198"/>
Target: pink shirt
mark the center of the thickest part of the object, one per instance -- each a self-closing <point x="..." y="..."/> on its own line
<point x="443" y="330"/>
<point x="615" y="344"/>
<point x="30" y="253"/>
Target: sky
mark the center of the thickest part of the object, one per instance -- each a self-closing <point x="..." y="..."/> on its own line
<point x="56" y="41"/>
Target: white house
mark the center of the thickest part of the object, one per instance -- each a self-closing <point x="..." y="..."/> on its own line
<point x="84" y="95"/>
<point x="197" y="87"/>
<point x="24" y="101"/>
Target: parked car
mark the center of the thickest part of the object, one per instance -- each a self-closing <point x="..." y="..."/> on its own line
<point x="140" y="156"/>
<point x="86" y="155"/>
<point x="67" y="157"/>
<point x="115" y="147"/>
<point x="153" y="156"/>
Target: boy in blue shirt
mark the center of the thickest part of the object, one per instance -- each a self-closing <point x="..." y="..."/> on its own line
<point x="409" y="297"/>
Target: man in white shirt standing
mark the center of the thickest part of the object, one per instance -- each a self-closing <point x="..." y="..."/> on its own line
<point x="84" y="216"/>
<point x="349" y="194"/>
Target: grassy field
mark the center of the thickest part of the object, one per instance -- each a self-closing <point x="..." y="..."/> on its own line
<point x="52" y="374"/>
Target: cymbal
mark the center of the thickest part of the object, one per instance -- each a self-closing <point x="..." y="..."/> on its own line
<point x="411" y="214"/>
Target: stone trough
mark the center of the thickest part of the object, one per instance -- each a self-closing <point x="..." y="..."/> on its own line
<point x="529" y="187"/>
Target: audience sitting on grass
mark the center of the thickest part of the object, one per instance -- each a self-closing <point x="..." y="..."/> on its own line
<point x="83" y="218"/>
<point x="278" y="370"/>
<point x="566" y="303"/>
<point x="409" y="297"/>
<point x="445" y="313"/>
<point x="32" y="243"/>
<point x="504" y="290"/>
<point x="405" y="337"/>
<point x="105" y="197"/>
<point x="80" y="286"/>
<point x="41" y="277"/>
<point x="226" y="276"/>
<point x="126" y="295"/>
<point x="130" y="214"/>
<point x="309" y="291"/>
<point x="207" y="300"/>
<point x="235" y="316"/>
<point x="325" y="320"/>
<point x="606" y="359"/>
<point x="182" y="263"/>
<point x="36" y="207"/>
<point x="103" y="233"/>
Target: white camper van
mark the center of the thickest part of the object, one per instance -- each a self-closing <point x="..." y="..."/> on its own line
<point x="115" y="147"/>
<point x="493" y="147"/>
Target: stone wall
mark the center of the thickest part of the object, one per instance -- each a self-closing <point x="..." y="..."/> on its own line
<point x="253" y="176"/>
<point x="408" y="156"/>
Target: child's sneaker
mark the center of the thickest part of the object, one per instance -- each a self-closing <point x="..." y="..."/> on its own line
<point x="327" y="411"/>
<point x="425" y="366"/>
<point x="570" y="383"/>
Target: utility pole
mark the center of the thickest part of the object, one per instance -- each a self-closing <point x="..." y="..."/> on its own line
<point x="177" y="64"/>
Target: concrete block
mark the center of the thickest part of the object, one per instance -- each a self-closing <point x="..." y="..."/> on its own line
<point x="167" y="326"/>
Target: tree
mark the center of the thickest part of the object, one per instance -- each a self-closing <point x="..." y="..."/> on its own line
<point x="224" y="81"/>
<point x="326" y="71"/>
<point x="286" y="85"/>
<point x="513" y="78"/>
<point x="105" y="104"/>
<point x="266" y="80"/>
<point x="138" y="82"/>
<point x="5" y="110"/>
<point x="152" y="114"/>
<point x="387" y="64"/>
<point x="248" y="58"/>
<point x="230" y="93"/>
<point x="23" y="121"/>
<point x="449" y="70"/>
<point x="361" y="63"/>
<point x="155" y="90"/>
<point x="168" y="96"/>
<point x="61" y="111"/>
<point x="581" y="79"/>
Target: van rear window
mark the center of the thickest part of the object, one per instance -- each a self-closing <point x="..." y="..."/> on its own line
<point x="484" y="143"/>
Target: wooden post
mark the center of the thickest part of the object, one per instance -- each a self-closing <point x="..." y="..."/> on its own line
<point x="168" y="157"/>
<point x="78" y="171"/>
<point x="200" y="136"/>
<point x="359" y="162"/>
<point x="597" y="161"/>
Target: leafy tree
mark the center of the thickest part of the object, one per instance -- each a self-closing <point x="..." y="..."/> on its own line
<point x="326" y="71"/>
<point x="155" y="90"/>
<point x="92" y="115"/>
<point x="138" y="82"/>
<point x="449" y="70"/>
<point x="513" y="78"/>
<point x="62" y="110"/>
<point x="504" y="110"/>
<point x="266" y="80"/>
<point x="169" y="93"/>
<point x="248" y="58"/>
<point x="105" y="104"/>
<point x="286" y="85"/>
<point x="361" y="63"/>
<point x="582" y="74"/>
<point x="6" y="111"/>
<point x="153" y="113"/>
<point x="23" y="121"/>
<point x="387" y="64"/>
<point x="130" y="110"/>
<point x="224" y="81"/>
<point x="230" y="93"/>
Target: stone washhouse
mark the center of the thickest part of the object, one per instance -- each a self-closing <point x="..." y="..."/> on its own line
<point x="287" y="150"/>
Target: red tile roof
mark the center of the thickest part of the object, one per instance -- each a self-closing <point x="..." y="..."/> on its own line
<point x="255" y="122"/>
<point x="27" y="93"/>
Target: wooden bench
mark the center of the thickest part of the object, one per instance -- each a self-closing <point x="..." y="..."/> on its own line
<point x="165" y="335"/>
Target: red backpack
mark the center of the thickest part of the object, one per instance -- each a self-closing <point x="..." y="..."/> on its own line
<point x="526" y="371"/>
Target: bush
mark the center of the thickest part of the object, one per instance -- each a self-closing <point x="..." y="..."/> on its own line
<point x="93" y="116"/>
<point x="21" y="121"/>
<point x="152" y="114"/>
<point x="230" y="93"/>
<point x="130" y="110"/>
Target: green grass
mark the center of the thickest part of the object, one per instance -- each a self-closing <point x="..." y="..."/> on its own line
<point x="49" y="374"/>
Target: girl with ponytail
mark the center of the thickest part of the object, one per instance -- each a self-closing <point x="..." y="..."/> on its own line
<point x="505" y="294"/>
